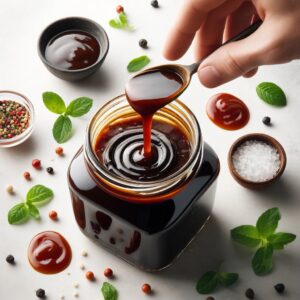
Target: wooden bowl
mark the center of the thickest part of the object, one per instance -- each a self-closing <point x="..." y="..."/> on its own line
<point x="263" y="138"/>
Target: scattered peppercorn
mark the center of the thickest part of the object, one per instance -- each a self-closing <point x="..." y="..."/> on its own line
<point x="249" y="294"/>
<point x="10" y="189"/>
<point x="40" y="293"/>
<point x="50" y="170"/>
<point x="14" y="119"/>
<point x="84" y="253"/>
<point x="279" y="287"/>
<point x="59" y="151"/>
<point x="10" y="259"/>
<point x="26" y="175"/>
<point x="36" y="163"/>
<point x="266" y="120"/>
<point x="154" y="3"/>
<point x="108" y="272"/>
<point x="90" y="276"/>
<point x="53" y="215"/>
<point x="119" y="9"/>
<point x="210" y="298"/>
<point x="143" y="43"/>
<point x="146" y="288"/>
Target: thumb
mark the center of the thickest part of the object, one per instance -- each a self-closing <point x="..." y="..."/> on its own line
<point x="232" y="60"/>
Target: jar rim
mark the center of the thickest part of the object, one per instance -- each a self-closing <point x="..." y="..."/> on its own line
<point x="134" y="190"/>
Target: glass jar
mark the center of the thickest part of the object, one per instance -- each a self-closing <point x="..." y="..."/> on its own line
<point x="147" y="223"/>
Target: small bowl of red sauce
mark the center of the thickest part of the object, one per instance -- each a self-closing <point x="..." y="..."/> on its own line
<point x="73" y="48"/>
<point x="16" y="118"/>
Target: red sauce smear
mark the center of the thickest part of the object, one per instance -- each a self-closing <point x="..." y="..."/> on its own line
<point x="49" y="252"/>
<point x="227" y="111"/>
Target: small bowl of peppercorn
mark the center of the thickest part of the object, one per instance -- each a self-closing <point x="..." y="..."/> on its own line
<point x="16" y="118"/>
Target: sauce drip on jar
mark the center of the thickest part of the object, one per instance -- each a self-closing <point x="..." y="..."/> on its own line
<point x="49" y="252"/>
<point x="227" y="111"/>
<point x="72" y="50"/>
<point x="149" y="91"/>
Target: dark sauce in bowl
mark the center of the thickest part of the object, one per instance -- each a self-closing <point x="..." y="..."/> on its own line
<point x="72" y="50"/>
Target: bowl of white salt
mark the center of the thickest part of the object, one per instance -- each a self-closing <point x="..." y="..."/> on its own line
<point x="256" y="160"/>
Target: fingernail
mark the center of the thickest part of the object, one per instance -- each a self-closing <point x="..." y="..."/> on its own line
<point x="210" y="76"/>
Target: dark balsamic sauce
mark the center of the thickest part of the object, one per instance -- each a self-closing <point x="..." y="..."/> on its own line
<point x="119" y="147"/>
<point x="148" y="92"/>
<point x="227" y="111"/>
<point x="72" y="50"/>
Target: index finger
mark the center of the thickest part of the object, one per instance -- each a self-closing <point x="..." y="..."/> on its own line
<point x="190" y="20"/>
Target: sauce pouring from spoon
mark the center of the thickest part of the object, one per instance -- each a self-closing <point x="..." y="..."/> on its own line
<point x="156" y="87"/>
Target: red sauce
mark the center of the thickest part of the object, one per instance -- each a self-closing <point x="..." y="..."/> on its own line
<point x="148" y="92"/>
<point x="49" y="252"/>
<point x="227" y="111"/>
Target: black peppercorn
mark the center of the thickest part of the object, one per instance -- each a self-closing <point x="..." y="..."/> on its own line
<point x="50" y="170"/>
<point x="10" y="259"/>
<point x="40" y="293"/>
<point x="154" y="3"/>
<point x="266" y="120"/>
<point x="143" y="43"/>
<point x="249" y="294"/>
<point x="279" y="287"/>
<point x="210" y="298"/>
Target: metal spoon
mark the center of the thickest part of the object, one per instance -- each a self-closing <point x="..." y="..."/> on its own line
<point x="185" y="72"/>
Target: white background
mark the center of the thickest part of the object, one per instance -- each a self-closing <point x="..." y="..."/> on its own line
<point x="21" y="70"/>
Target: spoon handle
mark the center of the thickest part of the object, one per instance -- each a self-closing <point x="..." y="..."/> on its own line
<point x="245" y="33"/>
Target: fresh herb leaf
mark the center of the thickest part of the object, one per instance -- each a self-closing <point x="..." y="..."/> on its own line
<point x="109" y="292"/>
<point x="138" y="63"/>
<point x="271" y="93"/>
<point x="39" y="194"/>
<point x="121" y="22"/>
<point x="62" y="129"/>
<point x="79" y="107"/>
<point x="54" y="102"/>
<point x="207" y="283"/>
<point x="18" y="214"/>
<point x="33" y="211"/>
<point x="280" y="239"/>
<point x="262" y="262"/>
<point x="246" y="235"/>
<point x="268" y="222"/>
<point x="228" y="279"/>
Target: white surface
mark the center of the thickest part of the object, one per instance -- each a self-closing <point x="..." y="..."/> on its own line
<point x="20" y="69"/>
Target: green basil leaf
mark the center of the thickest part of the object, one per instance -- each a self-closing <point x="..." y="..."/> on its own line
<point x="39" y="194"/>
<point x="123" y="19"/>
<point x="62" y="129"/>
<point x="79" y="107"/>
<point x="268" y="222"/>
<point x="246" y="235"/>
<point x="33" y="211"/>
<point x="280" y="239"/>
<point x="228" y="279"/>
<point x="109" y="292"/>
<point x="262" y="262"/>
<point x="54" y="102"/>
<point x="271" y="93"/>
<point x="207" y="283"/>
<point x="18" y="214"/>
<point x="115" y="23"/>
<point x="138" y="63"/>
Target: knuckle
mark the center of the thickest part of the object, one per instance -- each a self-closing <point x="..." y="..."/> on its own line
<point x="233" y="64"/>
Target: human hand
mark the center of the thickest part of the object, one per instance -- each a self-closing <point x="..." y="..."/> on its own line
<point x="211" y="22"/>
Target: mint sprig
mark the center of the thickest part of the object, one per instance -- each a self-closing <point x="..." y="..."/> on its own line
<point x="62" y="128"/>
<point x="138" y="63"/>
<point x="210" y="280"/>
<point x="109" y="292"/>
<point x="36" y="196"/>
<point x="121" y="22"/>
<point x="263" y="236"/>
<point x="271" y="93"/>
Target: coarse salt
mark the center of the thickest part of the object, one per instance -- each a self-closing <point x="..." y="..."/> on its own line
<point x="256" y="161"/>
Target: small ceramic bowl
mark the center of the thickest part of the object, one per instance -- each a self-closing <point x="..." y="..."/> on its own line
<point x="73" y="23"/>
<point x="263" y="138"/>
<point x="18" y="139"/>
